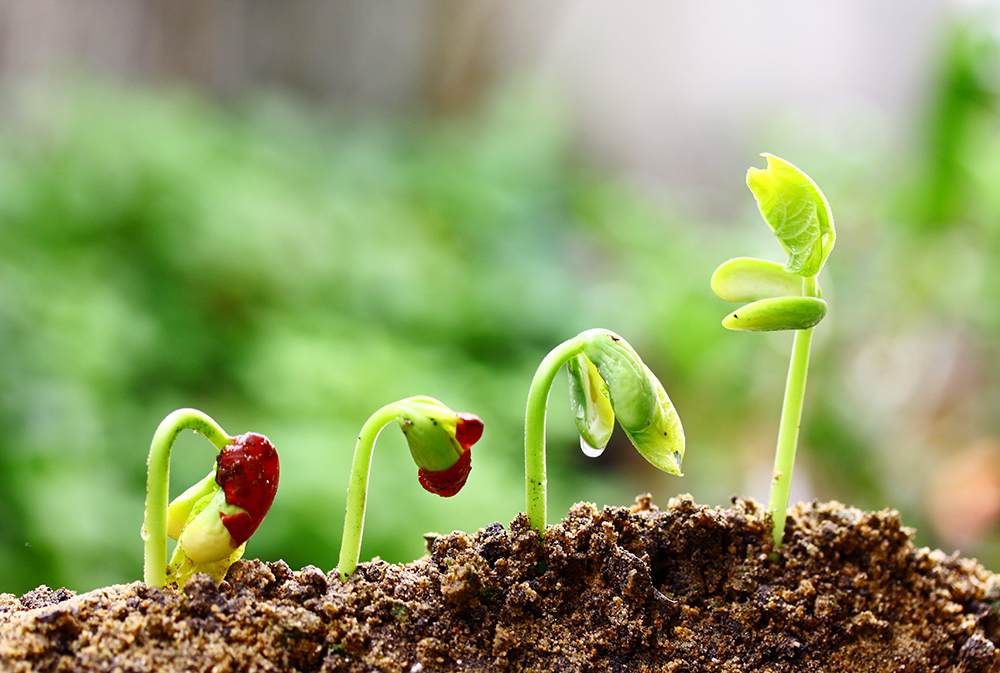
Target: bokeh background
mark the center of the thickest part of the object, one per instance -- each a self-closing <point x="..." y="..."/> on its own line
<point x="288" y="214"/>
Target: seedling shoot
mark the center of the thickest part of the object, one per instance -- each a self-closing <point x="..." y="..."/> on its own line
<point x="213" y="519"/>
<point x="608" y="380"/>
<point x="783" y="297"/>
<point x="440" y="442"/>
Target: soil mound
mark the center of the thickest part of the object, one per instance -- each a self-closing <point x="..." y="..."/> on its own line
<point x="685" y="590"/>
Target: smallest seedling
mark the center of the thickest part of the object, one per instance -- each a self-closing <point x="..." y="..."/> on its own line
<point x="440" y="442"/>
<point x="783" y="297"/>
<point x="213" y="519"/>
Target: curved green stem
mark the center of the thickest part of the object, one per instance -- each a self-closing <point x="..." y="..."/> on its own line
<point x="534" y="428"/>
<point x="154" y="527"/>
<point x="791" y="417"/>
<point x="357" y="494"/>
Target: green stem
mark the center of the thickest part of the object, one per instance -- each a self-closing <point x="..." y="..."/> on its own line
<point x="534" y="429"/>
<point x="791" y="418"/>
<point x="357" y="494"/>
<point x="154" y="527"/>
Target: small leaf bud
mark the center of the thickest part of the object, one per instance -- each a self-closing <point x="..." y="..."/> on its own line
<point x="440" y="441"/>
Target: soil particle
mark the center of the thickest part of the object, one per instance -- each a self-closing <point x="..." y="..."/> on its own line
<point x="684" y="590"/>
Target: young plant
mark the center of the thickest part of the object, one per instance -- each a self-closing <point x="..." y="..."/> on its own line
<point x="783" y="297"/>
<point x="607" y="380"/>
<point x="440" y="442"/>
<point x="213" y="519"/>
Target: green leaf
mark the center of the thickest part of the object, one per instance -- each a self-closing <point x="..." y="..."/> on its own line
<point x="795" y="208"/>
<point x="430" y="428"/>
<point x="631" y="391"/>
<point x="747" y="279"/>
<point x="661" y="439"/>
<point x="779" y="313"/>
<point x="588" y="395"/>
<point x="638" y="399"/>
<point x="179" y="511"/>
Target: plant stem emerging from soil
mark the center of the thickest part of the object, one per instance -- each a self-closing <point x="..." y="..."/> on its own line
<point x="357" y="494"/>
<point x="788" y="430"/>
<point x="608" y="381"/>
<point x="536" y="482"/>
<point x="154" y="527"/>
<point x="783" y="297"/>
<point x="440" y="441"/>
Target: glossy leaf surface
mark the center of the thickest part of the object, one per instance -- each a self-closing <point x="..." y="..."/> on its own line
<point x="639" y="401"/>
<point x="780" y="313"/>
<point x="588" y="395"/>
<point x="746" y="279"/>
<point x="798" y="213"/>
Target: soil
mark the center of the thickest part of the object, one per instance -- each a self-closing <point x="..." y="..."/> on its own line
<point x="683" y="590"/>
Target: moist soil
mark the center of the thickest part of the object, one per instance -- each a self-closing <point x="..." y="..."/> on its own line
<point x="685" y="589"/>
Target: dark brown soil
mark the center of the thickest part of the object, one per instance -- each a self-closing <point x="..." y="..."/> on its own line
<point x="687" y="589"/>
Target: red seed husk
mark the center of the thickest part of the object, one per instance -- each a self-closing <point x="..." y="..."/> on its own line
<point x="468" y="429"/>
<point x="247" y="470"/>
<point x="447" y="483"/>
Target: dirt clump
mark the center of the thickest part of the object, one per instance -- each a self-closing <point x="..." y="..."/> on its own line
<point x="688" y="589"/>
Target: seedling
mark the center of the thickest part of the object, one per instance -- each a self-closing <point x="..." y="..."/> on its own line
<point x="783" y="297"/>
<point x="213" y="519"/>
<point x="440" y="442"/>
<point x="607" y="380"/>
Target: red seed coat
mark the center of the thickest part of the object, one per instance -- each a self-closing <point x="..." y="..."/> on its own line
<point x="447" y="483"/>
<point x="247" y="470"/>
<point x="468" y="430"/>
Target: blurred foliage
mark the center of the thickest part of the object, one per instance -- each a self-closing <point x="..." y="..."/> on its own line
<point x="289" y="272"/>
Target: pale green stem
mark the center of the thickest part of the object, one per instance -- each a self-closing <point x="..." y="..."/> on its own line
<point x="154" y="527"/>
<point x="534" y="429"/>
<point x="791" y="418"/>
<point x="357" y="494"/>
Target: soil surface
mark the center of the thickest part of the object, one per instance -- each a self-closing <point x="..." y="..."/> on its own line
<point x="684" y="590"/>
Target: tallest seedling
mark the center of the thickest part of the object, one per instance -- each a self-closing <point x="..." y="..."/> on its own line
<point x="783" y="297"/>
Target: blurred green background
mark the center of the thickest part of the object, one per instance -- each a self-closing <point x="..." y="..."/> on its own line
<point x="288" y="262"/>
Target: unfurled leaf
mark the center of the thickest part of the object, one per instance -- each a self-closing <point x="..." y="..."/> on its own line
<point x="748" y="279"/>
<point x="795" y="208"/>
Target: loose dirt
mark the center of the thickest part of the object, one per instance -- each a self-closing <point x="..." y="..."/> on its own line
<point x="688" y="589"/>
